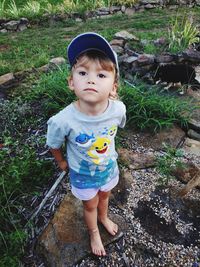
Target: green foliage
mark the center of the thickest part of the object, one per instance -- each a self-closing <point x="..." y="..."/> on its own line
<point x="182" y="33"/>
<point x="2" y="9"/>
<point x="21" y="173"/>
<point x="12" y="245"/>
<point x="52" y="88"/>
<point x="149" y="109"/>
<point x="13" y="11"/>
<point x="32" y="9"/>
<point x="168" y="162"/>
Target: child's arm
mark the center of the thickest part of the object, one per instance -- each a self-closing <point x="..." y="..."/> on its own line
<point x="58" y="155"/>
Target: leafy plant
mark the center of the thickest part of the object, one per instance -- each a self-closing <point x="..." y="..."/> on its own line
<point x="52" y="89"/>
<point x="2" y="9"/>
<point x="32" y="9"/>
<point x="13" y="11"/>
<point x="169" y="161"/>
<point x="121" y="2"/>
<point x="182" y="33"/>
<point x="149" y="109"/>
<point x="21" y="173"/>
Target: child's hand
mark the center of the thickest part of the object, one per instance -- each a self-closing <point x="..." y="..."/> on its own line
<point x="63" y="165"/>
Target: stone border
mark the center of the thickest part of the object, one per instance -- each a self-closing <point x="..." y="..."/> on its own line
<point x="7" y="25"/>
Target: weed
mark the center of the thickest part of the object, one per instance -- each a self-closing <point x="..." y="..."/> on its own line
<point x="149" y="109"/>
<point x="168" y="162"/>
<point x="13" y="11"/>
<point x="32" y="9"/>
<point x="21" y="173"/>
<point x="182" y="33"/>
<point x="52" y="88"/>
<point x="2" y="9"/>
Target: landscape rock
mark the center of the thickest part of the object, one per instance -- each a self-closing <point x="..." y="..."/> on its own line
<point x="130" y="11"/>
<point x="192" y="55"/>
<point x="149" y="6"/>
<point x="58" y="61"/>
<point x="135" y="160"/>
<point x="7" y="80"/>
<point x="118" y="49"/>
<point x="197" y="71"/>
<point x="119" y="42"/>
<point x="12" y="25"/>
<point x="192" y="146"/>
<point x="164" y="58"/>
<point x="114" y="9"/>
<point x="172" y="137"/>
<point x="126" y="36"/>
<point x="146" y="2"/>
<point x="145" y="59"/>
<point x="193" y="134"/>
<point x="194" y="122"/>
<point x="65" y="240"/>
<point x="186" y="172"/>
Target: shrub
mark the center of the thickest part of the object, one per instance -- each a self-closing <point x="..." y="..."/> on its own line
<point x="52" y="89"/>
<point x="182" y="33"/>
<point x="21" y="173"/>
<point x="167" y="163"/>
<point x="32" y="9"/>
<point x="149" y="109"/>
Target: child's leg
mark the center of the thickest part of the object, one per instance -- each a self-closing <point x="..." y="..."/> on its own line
<point x="90" y="215"/>
<point x="110" y="226"/>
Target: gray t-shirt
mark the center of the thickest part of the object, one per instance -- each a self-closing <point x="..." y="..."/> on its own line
<point x="91" y="154"/>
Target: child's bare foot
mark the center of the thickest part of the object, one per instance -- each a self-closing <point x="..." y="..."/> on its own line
<point x="96" y="243"/>
<point x="110" y="226"/>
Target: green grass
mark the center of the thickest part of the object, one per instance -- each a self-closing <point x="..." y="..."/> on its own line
<point x="36" y="46"/>
<point x="39" y="97"/>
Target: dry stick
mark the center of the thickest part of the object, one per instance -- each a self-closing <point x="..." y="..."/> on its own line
<point x="60" y="177"/>
<point x="190" y="185"/>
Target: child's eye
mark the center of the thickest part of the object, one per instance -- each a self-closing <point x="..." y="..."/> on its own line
<point x="82" y="73"/>
<point x="101" y="75"/>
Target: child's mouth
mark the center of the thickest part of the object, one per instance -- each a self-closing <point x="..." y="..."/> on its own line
<point x="91" y="90"/>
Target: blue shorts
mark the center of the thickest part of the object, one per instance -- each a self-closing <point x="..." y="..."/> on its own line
<point x="89" y="193"/>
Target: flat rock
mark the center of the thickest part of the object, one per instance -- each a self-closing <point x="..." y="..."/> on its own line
<point x="7" y="81"/>
<point x="135" y="160"/>
<point x="126" y="36"/>
<point x="57" y="61"/>
<point x="65" y="240"/>
<point x="172" y="137"/>
<point x="193" y="134"/>
<point x="186" y="172"/>
<point x="192" y="146"/>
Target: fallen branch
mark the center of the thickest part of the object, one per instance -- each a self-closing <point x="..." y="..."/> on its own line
<point x="61" y="176"/>
<point x="190" y="185"/>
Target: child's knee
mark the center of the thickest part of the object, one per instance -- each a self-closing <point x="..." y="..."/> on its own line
<point x="91" y="204"/>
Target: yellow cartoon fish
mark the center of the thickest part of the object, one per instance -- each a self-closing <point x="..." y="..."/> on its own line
<point x="99" y="149"/>
<point x="112" y="130"/>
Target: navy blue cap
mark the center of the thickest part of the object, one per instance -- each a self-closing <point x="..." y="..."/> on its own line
<point x="90" y="41"/>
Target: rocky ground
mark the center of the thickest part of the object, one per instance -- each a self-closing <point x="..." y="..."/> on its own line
<point x="162" y="229"/>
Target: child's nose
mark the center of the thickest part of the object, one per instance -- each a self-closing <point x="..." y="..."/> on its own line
<point x="91" y="79"/>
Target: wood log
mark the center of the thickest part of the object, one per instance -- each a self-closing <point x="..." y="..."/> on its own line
<point x="190" y="185"/>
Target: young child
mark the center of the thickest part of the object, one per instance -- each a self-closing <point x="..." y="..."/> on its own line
<point x="89" y="126"/>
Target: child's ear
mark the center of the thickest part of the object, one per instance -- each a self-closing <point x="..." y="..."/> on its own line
<point x="70" y="83"/>
<point x="113" y="93"/>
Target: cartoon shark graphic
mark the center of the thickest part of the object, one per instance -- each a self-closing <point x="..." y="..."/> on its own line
<point x="84" y="140"/>
<point x="99" y="149"/>
<point x="112" y="131"/>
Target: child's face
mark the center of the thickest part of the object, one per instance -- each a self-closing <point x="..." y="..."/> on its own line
<point x="91" y="83"/>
